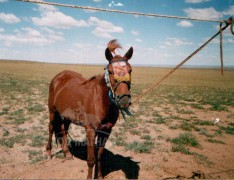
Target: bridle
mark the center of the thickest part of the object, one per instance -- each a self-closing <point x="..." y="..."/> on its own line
<point x="113" y="97"/>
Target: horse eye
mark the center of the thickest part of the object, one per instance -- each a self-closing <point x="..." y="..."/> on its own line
<point x="114" y="64"/>
<point x="122" y="63"/>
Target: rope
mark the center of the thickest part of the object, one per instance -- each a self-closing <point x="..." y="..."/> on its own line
<point x="221" y="46"/>
<point x="119" y="11"/>
<point x="229" y="22"/>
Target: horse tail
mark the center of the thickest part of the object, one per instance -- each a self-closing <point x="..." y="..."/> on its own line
<point x="57" y="123"/>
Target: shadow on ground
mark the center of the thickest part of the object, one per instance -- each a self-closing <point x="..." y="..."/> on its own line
<point x="110" y="162"/>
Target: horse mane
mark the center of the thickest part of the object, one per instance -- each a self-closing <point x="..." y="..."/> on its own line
<point x="113" y="45"/>
<point x="98" y="77"/>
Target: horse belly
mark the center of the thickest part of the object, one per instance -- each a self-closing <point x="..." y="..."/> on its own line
<point x="76" y="105"/>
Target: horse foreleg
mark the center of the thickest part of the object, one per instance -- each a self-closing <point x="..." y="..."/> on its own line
<point x="90" y="133"/>
<point x="101" y="141"/>
<point x="65" y="148"/>
<point x="51" y="131"/>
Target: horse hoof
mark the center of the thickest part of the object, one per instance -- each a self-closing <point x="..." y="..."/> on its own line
<point x="68" y="156"/>
<point x="100" y="177"/>
<point x="49" y="156"/>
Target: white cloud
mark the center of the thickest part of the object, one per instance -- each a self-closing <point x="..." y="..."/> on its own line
<point x="51" y="17"/>
<point x="30" y="36"/>
<point x="44" y="8"/>
<point x="2" y="30"/>
<point x="97" y="0"/>
<point x="205" y="13"/>
<point x="9" y="18"/>
<point x="230" y="11"/>
<point x="185" y="24"/>
<point x="196" y="1"/>
<point x="104" y="28"/>
<point x="225" y="33"/>
<point x="1" y="1"/>
<point x="58" y="20"/>
<point x="52" y="32"/>
<point x="217" y="41"/>
<point x="115" y="4"/>
<point x="230" y="40"/>
<point x="171" y="41"/>
<point x="83" y="45"/>
<point x="138" y="40"/>
<point x="135" y="33"/>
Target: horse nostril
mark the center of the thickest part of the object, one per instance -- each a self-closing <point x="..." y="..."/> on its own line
<point x="124" y="102"/>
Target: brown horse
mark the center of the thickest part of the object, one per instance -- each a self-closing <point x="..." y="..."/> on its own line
<point x="93" y="104"/>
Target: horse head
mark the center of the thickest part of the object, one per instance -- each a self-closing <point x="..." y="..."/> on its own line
<point x="118" y="75"/>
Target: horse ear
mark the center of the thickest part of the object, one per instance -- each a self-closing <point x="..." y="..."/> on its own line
<point x="108" y="54"/>
<point x="128" y="54"/>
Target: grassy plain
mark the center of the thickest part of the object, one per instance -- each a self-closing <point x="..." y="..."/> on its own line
<point x="172" y="133"/>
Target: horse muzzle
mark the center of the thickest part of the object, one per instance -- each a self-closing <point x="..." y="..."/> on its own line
<point x="123" y="101"/>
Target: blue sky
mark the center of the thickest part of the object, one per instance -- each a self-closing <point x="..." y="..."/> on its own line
<point x="64" y="35"/>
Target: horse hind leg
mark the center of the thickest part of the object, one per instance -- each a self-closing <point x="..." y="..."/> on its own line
<point x="51" y="131"/>
<point x="101" y="141"/>
<point x="64" y="131"/>
<point x="54" y="127"/>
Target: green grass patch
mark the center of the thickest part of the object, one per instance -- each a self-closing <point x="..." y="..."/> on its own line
<point x="181" y="149"/>
<point x="159" y="120"/>
<point x="35" y="156"/>
<point x="211" y="140"/>
<point x="140" y="147"/>
<point x="5" y="133"/>
<point x="183" y="111"/>
<point x="204" y="123"/>
<point x="134" y="132"/>
<point x="146" y="137"/>
<point x="4" y="111"/>
<point x="38" y="159"/>
<point x="196" y="106"/>
<point x="204" y="132"/>
<point x="186" y="139"/>
<point x="231" y="124"/>
<point x="186" y="126"/>
<point x="36" y="108"/>
<point x="37" y="141"/>
<point x="9" y="142"/>
<point x="218" y="107"/>
<point x="228" y="129"/>
<point x="120" y="141"/>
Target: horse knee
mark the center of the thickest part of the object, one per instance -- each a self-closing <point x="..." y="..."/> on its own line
<point x="48" y="147"/>
<point x="91" y="163"/>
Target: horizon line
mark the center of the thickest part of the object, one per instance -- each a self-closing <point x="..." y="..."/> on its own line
<point x="136" y="65"/>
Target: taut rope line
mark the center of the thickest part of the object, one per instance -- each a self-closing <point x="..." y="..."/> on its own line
<point x="229" y="22"/>
<point x="119" y="11"/>
<point x="221" y="46"/>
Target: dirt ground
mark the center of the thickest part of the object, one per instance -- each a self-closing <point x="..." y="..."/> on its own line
<point x="120" y="163"/>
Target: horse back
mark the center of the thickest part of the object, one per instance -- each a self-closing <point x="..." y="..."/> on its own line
<point x="59" y="81"/>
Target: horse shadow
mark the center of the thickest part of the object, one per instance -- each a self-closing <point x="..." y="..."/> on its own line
<point x="109" y="163"/>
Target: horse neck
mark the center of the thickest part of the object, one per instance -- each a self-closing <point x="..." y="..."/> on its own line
<point x="100" y="80"/>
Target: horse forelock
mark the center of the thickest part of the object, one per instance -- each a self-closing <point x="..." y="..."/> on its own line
<point x="117" y="57"/>
<point x="113" y="45"/>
